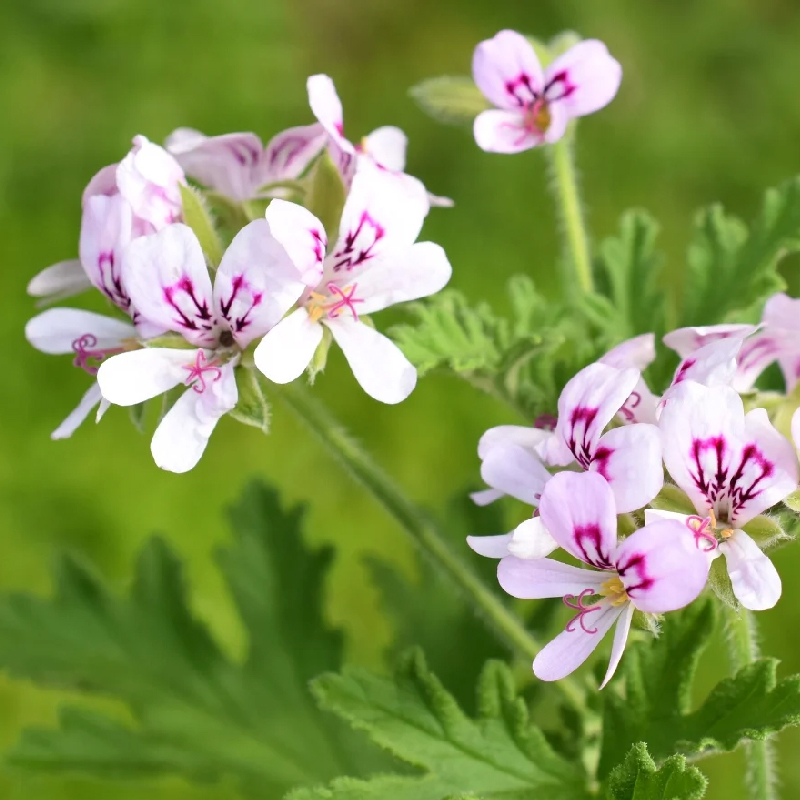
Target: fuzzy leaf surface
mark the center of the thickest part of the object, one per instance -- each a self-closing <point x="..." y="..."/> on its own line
<point x="194" y="710"/>
<point x="450" y="100"/>
<point x="497" y="755"/>
<point x="657" y="709"/>
<point x="637" y="778"/>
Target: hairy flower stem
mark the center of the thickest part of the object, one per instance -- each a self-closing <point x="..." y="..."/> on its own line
<point x="417" y="526"/>
<point x="742" y="640"/>
<point x="577" y="266"/>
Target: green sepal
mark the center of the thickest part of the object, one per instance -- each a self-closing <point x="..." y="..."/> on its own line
<point x="327" y="195"/>
<point x="765" y="531"/>
<point x="170" y="340"/>
<point x="671" y="498"/>
<point x="252" y="407"/>
<point x="638" y="778"/>
<point x="320" y="357"/>
<point x="197" y="216"/>
<point x="782" y="418"/>
<point x="793" y="501"/>
<point x="720" y="582"/>
<point x="136" y="414"/>
<point x="626" y="525"/>
<point x="450" y="100"/>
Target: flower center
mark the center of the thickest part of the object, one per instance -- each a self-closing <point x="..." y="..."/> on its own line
<point x="337" y="301"/>
<point x="537" y="116"/>
<point x="614" y="590"/>
<point x="705" y="531"/>
<point x="199" y="370"/>
<point x="88" y="356"/>
<point x="579" y="604"/>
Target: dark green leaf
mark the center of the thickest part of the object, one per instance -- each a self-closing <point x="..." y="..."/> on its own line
<point x="638" y="779"/>
<point x="194" y="710"/>
<point x="497" y="755"/>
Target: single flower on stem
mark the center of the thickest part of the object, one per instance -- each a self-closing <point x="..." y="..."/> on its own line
<point x="534" y="105"/>
<point x="385" y="146"/>
<point x="255" y="285"/>
<point x="239" y="166"/>
<point x="374" y="264"/>
<point x="659" y="568"/>
<point x="732" y="466"/>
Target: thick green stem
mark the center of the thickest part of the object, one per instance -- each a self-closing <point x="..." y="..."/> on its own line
<point x="578" y="278"/>
<point x="417" y="526"/>
<point x="742" y="640"/>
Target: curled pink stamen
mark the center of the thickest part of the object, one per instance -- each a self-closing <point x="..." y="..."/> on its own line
<point x="699" y="527"/>
<point x="197" y="372"/>
<point x="87" y="356"/>
<point x="633" y="400"/>
<point x="578" y="604"/>
<point x="347" y="299"/>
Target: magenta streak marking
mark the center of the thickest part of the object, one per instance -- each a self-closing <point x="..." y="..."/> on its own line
<point x="545" y="422"/>
<point x="111" y="283"/>
<point x="687" y="364"/>
<point x="240" y="323"/>
<point x="589" y="537"/>
<point x="185" y="286"/>
<point x="752" y="354"/>
<point x="577" y="603"/>
<point x="319" y="244"/>
<point x="741" y="495"/>
<point x="600" y="461"/>
<point x="587" y="416"/>
<point x="87" y="357"/>
<point x="521" y="82"/>
<point x="245" y="154"/>
<point x="197" y="371"/>
<point x="287" y="151"/>
<point x="367" y="227"/>
<point x="636" y="564"/>
<point x="712" y="488"/>
<point x="560" y="81"/>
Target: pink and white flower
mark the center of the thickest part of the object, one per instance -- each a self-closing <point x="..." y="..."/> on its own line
<point x="166" y="273"/>
<point x="59" y="281"/>
<point x="638" y="353"/>
<point x="534" y="105"/>
<point x="385" y="146"/>
<point x="239" y="166"/>
<point x="90" y="338"/>
<point x="659" y="568"/>
<point x="374" y="264"/>
<point x="732" y="466"/>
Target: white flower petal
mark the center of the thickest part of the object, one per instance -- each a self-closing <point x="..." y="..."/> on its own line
<point x="56" y="330"/>
<point x="754" y="579"/>
<point x="288" y="348"/>
<point x="136" y="376"/>
<point x="499" y="131"/>
<point x="76" y="417"/>
<point x="536" y="579"/>
<point x="486" y="496"/>
<point x="327" y="108"/>
<point x="515" y="471"/>
<point x="506" y="69"/>
<point x="531" y="539"/>
<point x="620" y="639"/>
<point x="387" y="146"/>
<point x="302" y="236"/>
<point x="378" y="364"/>
<point x="490" y="546"/>
<point x="64" y="279"/>
<point x="289" y="153"/>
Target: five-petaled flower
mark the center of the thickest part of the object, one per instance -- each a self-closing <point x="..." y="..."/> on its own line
<point x="374" y="264"/>
<point x="733" y="466"/>
<point x="659" y="568"/>
<point x="534" y="105"/>
<point x="255" y="285"/>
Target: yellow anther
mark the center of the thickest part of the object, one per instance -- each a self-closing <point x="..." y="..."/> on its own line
<point x="727" y="533"/>
<point x="316" y="308"/>
<point x="712" y="518"/>
<point x="614" y="589"/>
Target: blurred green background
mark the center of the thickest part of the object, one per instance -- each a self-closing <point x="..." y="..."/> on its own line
<point x="708" y="111"/>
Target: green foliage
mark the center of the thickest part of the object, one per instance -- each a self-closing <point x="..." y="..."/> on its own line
<point x="197" y="216"/>
<point x="430" y="613"/>
<point x="326" y="194"/>
<point x="498" y="754"/>
<point x="628" y="267"/>
<point x="658" y="683"/>
<point x="252" y="407"/>
<point x="516" y="359"/>
<point x="730" y="270"/>
<point x="193" y="709"/>
<point x="450" y="100"/>
<point x="637" y="778"/>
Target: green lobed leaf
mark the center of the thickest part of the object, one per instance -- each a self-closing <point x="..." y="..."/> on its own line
<point x="450" y="100"/>
<point x="252" y="407"/>
<point x="637" y="778"/>
<point x="197" y="216"/>
<point x="730" y="268"/>
<point x="657" y="709"/>
<point x="498" y="754"/>
<point x="194" y="710"/>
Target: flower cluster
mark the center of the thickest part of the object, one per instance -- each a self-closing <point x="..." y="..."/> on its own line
<point x="189" y="325"/>
<point x="596" y="478"/>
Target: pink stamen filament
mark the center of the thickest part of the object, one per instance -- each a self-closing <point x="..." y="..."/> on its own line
<point x="578" y="604"/>
<point x="346" y="299"/>
<point x="87" y="356"/>
<point x="700" y="528"/>
<point x="196" y="378"/>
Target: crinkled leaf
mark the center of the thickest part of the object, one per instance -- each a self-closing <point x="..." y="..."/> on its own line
<point x="657" y="705"/>
<point x="497" y="755"/>
<point x="194" y="710"/>
<point x="450" y="100"/>
<point x="637" y="778"/>
<point x="628" y="267"/>
<point x="731" y="269"/>
<point x="197" y="216"/>
<point x="511" y="358"/>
